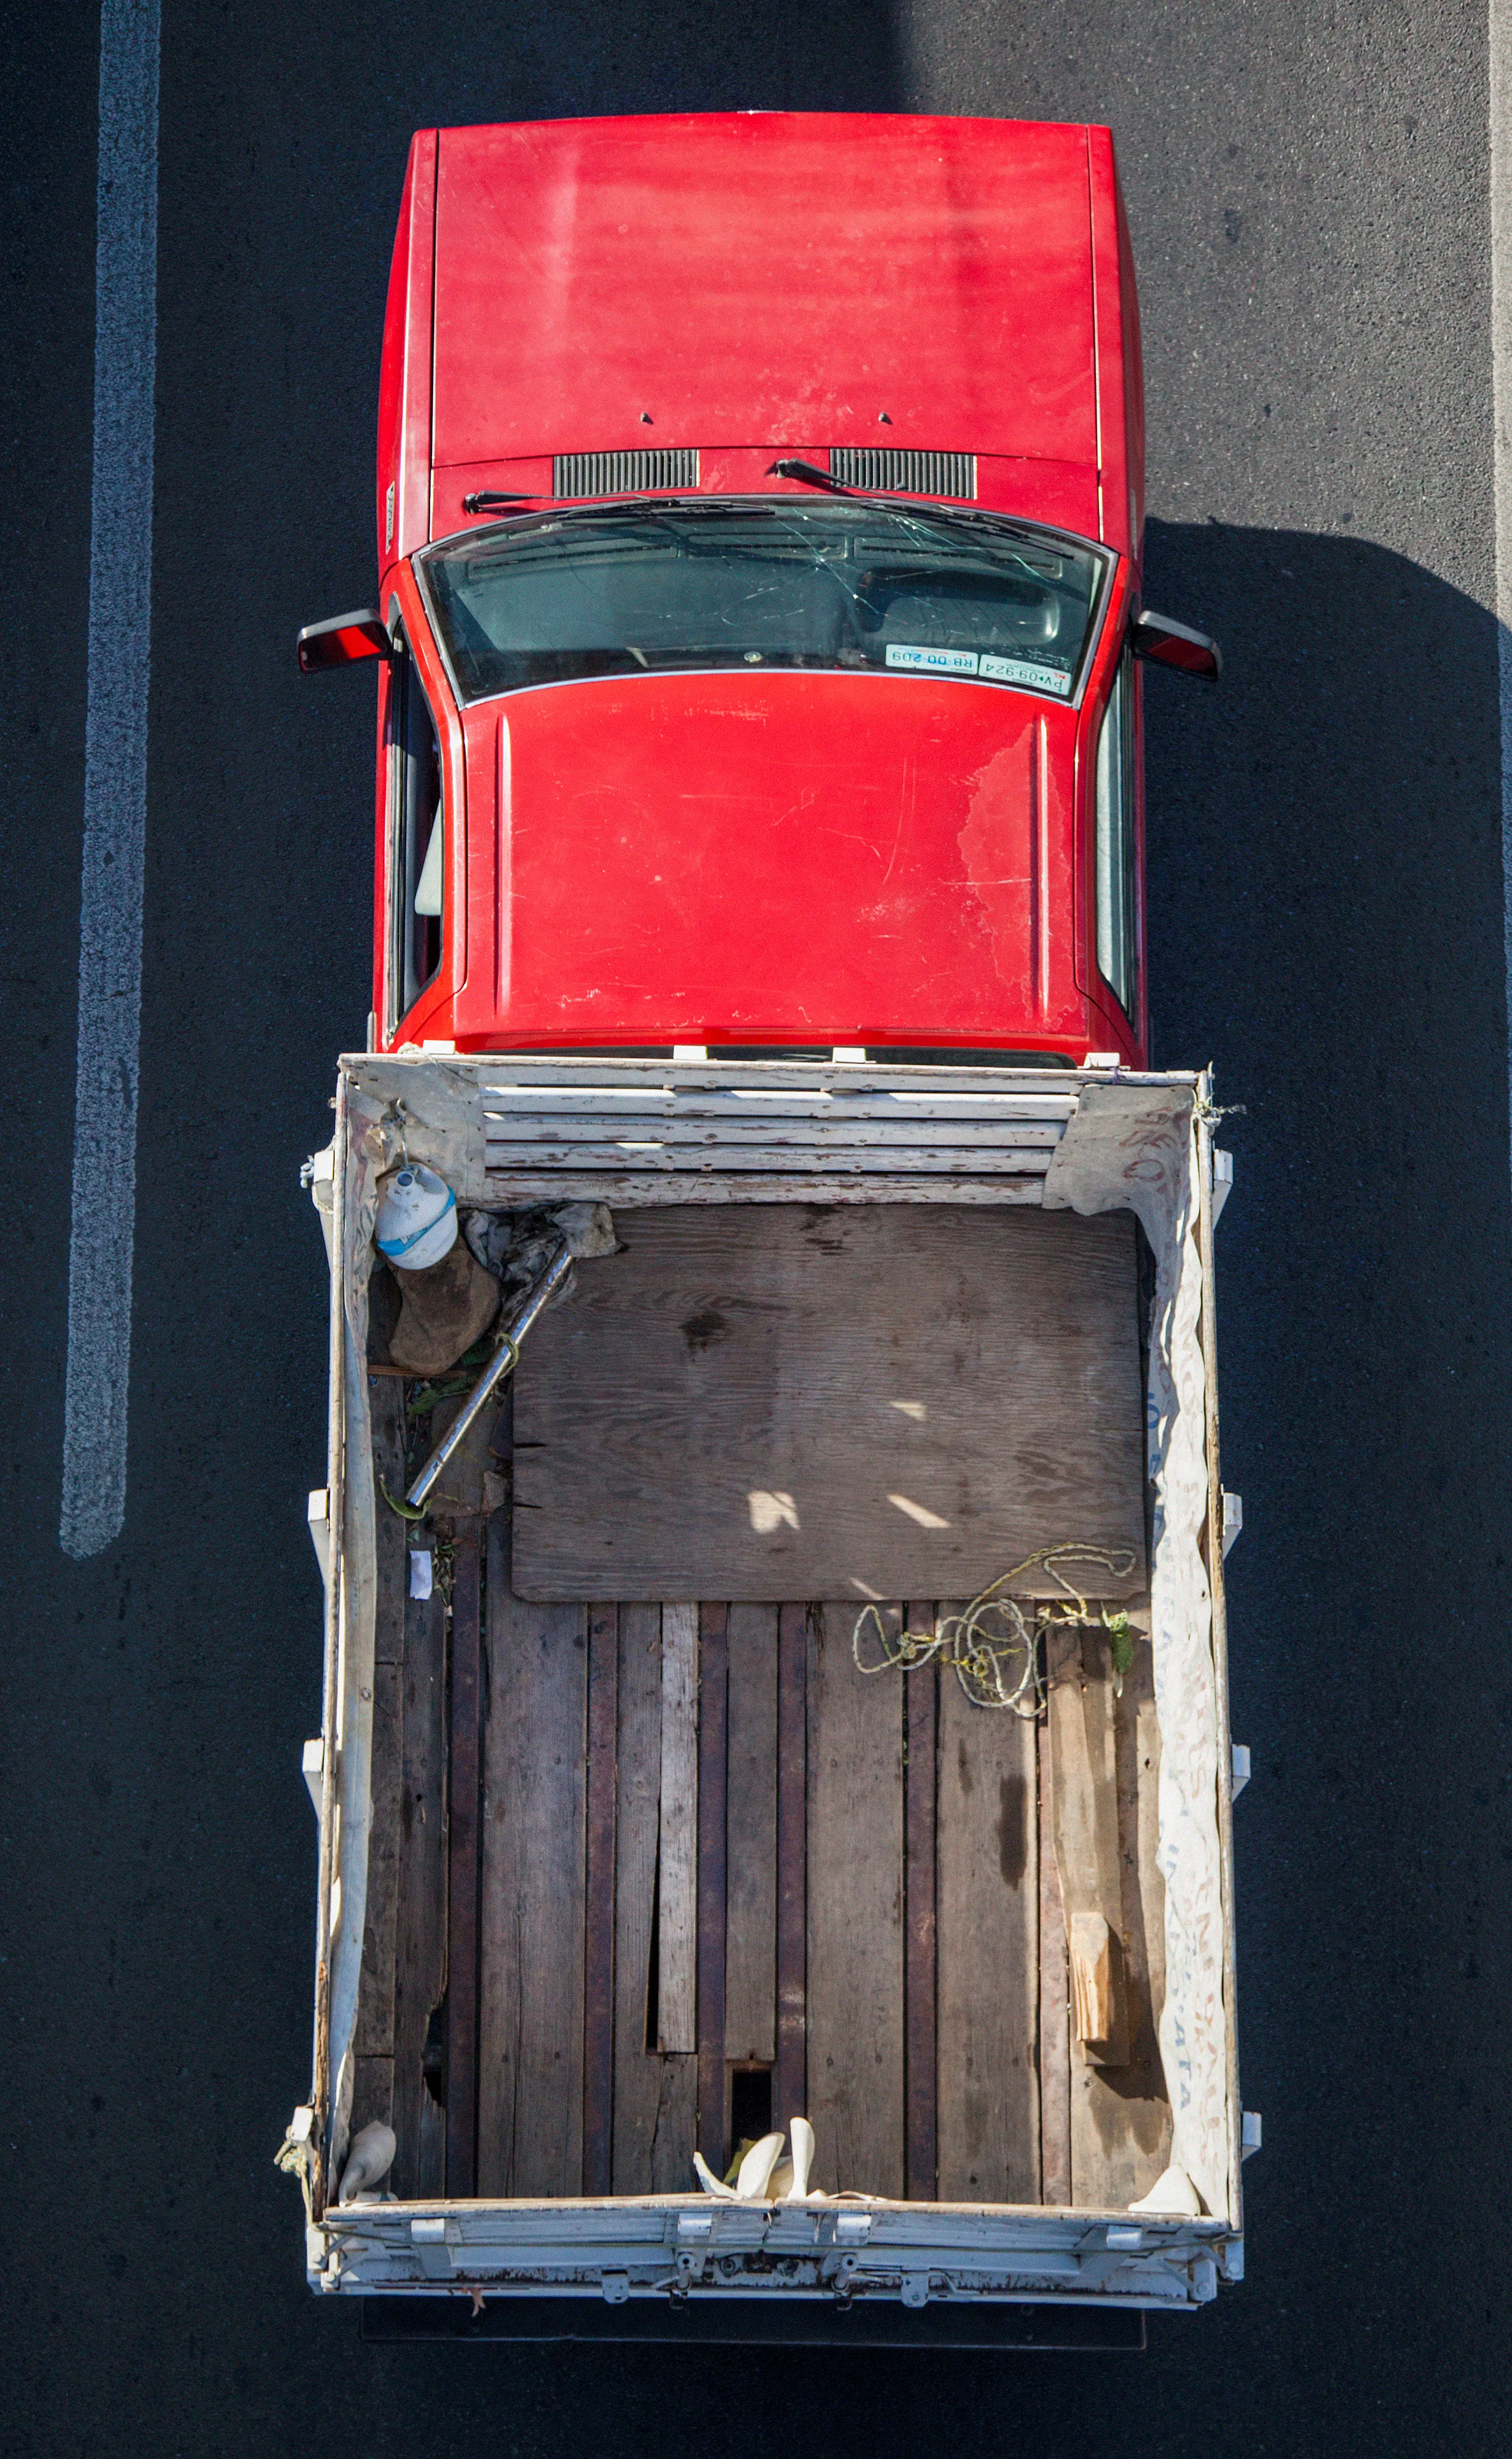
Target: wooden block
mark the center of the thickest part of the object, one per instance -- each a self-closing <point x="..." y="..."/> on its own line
<point x="375" y="1997"/>
<point x="463" y="1854"/>
<point x="420" y="1955"/>
<point x="599" y="1950"/>
<point x="655" y="2098"/>
<point x="921" y="1720"/>
<point x="531" y="2014"/>
<point x="711" y="1885"/>
<point x="784" y="1401"/>
<point x="1054" y="1990"/>
<point x="677" y="1875"/>
<point x="789" y="2078"/>
<point x="750" y="1937"/>
<point x="855" y="1916"/>
<point x="988" y="1951"/>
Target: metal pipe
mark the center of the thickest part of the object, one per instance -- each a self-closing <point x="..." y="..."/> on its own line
<point x="502" y="1362"/>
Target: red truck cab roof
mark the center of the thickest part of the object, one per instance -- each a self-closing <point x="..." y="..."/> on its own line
<point x="939" y="311"/>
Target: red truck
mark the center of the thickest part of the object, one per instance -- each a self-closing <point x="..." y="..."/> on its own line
<point x="760" y="856"/>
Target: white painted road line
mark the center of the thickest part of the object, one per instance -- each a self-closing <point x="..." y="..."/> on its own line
<point x="114" y="783"/>
<point x="1500" y="48"/>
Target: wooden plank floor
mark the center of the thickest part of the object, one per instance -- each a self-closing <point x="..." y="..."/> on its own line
<point x="850" y="1909"/>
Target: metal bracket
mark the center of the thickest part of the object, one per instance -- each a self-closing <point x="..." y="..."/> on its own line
<point x="1233" y="1518"/>
<point x="432" y="2244"/>
<point x="318" y="1514"/>
<point x="312" y="1767"/>
<point x="1250" y="2133"/>
<point x="1222" y="1181"/>
<point x="695" y="2242"/>
<point x="616" y="2286"/>
<point x="1240" y="1777"/>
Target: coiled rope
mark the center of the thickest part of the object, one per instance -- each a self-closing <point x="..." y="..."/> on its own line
<point x="994" y="1645"/>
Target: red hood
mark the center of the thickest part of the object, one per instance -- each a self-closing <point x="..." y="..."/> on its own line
<point x="789" y="858"/>
<point x="765" y="279"/>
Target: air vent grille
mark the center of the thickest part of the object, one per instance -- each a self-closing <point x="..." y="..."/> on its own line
<point x="881" y="472"/>
<point x="623" y="474"/>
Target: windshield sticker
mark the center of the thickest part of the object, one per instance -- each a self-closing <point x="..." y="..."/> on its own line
<point x="931" y="662"/>
<point x="1020" y="670"/>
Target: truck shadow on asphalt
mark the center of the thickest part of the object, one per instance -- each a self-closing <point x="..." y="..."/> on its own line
<point x="1326" y="923"/>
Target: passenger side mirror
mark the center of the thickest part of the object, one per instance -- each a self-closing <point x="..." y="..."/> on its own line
<point x="1167" y="643"/>
<point x="342" y="640"/>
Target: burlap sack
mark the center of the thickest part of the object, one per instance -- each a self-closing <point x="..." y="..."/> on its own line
<point x="443" y="1310"/>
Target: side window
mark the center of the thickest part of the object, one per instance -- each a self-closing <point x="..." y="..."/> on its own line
<point x="417" y="843"/>
<point x="1115" y="842"/>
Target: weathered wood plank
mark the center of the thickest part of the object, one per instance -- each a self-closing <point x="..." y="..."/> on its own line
<point x="599" y="1950"/>
<point x="922" y="1720"/>
<point x="374" y="2034"/>
<point x="463" y="1880"/>
<point x="677" y="1878"/>
<point x="1107" y="1764"/>
<point x="391" y="1533"/>
<point x="812" y="1403"/>
<point x="855" y="1915"/>
<point x="791" y="2076"/>
<point x="712" y="1728"/>
<point x="1055" y="1991"/>
<point x="627" y="1192"/>
<point x="420" y="1954"/>
<point x="750" y="1950"/>
<point x="1083" y="1759"/>
<point x="373" y="2093"/>
<point x="988" y="1950"/>
<point x="531" y="2016"/>
<point x="655" y="2098"/>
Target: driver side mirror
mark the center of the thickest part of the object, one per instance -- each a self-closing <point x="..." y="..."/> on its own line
<point x="1167" y="643"/>
<point x="342" y="640"/>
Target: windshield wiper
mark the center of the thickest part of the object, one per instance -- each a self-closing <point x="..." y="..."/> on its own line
<point x="811" y="476"/>
<point x="489" y="500"/>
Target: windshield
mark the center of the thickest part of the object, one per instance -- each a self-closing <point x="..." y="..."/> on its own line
<point x="659" y="588"/>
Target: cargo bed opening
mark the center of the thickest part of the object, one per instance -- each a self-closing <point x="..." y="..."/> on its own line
<point x="940" y="1955"/>
<point x="674" y="1859"/>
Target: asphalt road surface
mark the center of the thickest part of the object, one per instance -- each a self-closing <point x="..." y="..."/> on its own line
<point x="1307" y="189"/>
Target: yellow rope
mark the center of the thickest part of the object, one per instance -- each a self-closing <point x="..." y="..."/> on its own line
<point x="995" y="1645"/>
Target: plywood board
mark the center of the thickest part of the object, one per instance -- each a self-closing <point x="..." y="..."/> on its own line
<point x="987" y="1952"/>
<point x="785" y="1401"/>
<point x="750" y="1947"/>
<point x="655" y="2098"/>
<point x="855" y="1916"/>
<point x="531" y="1994"/>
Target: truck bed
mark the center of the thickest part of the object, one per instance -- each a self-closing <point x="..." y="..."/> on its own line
<point x="608" y="1879"/>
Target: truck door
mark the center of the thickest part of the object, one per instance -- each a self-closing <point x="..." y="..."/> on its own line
<point x="1118" y="899"/>
<point x="417" y="843"/>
